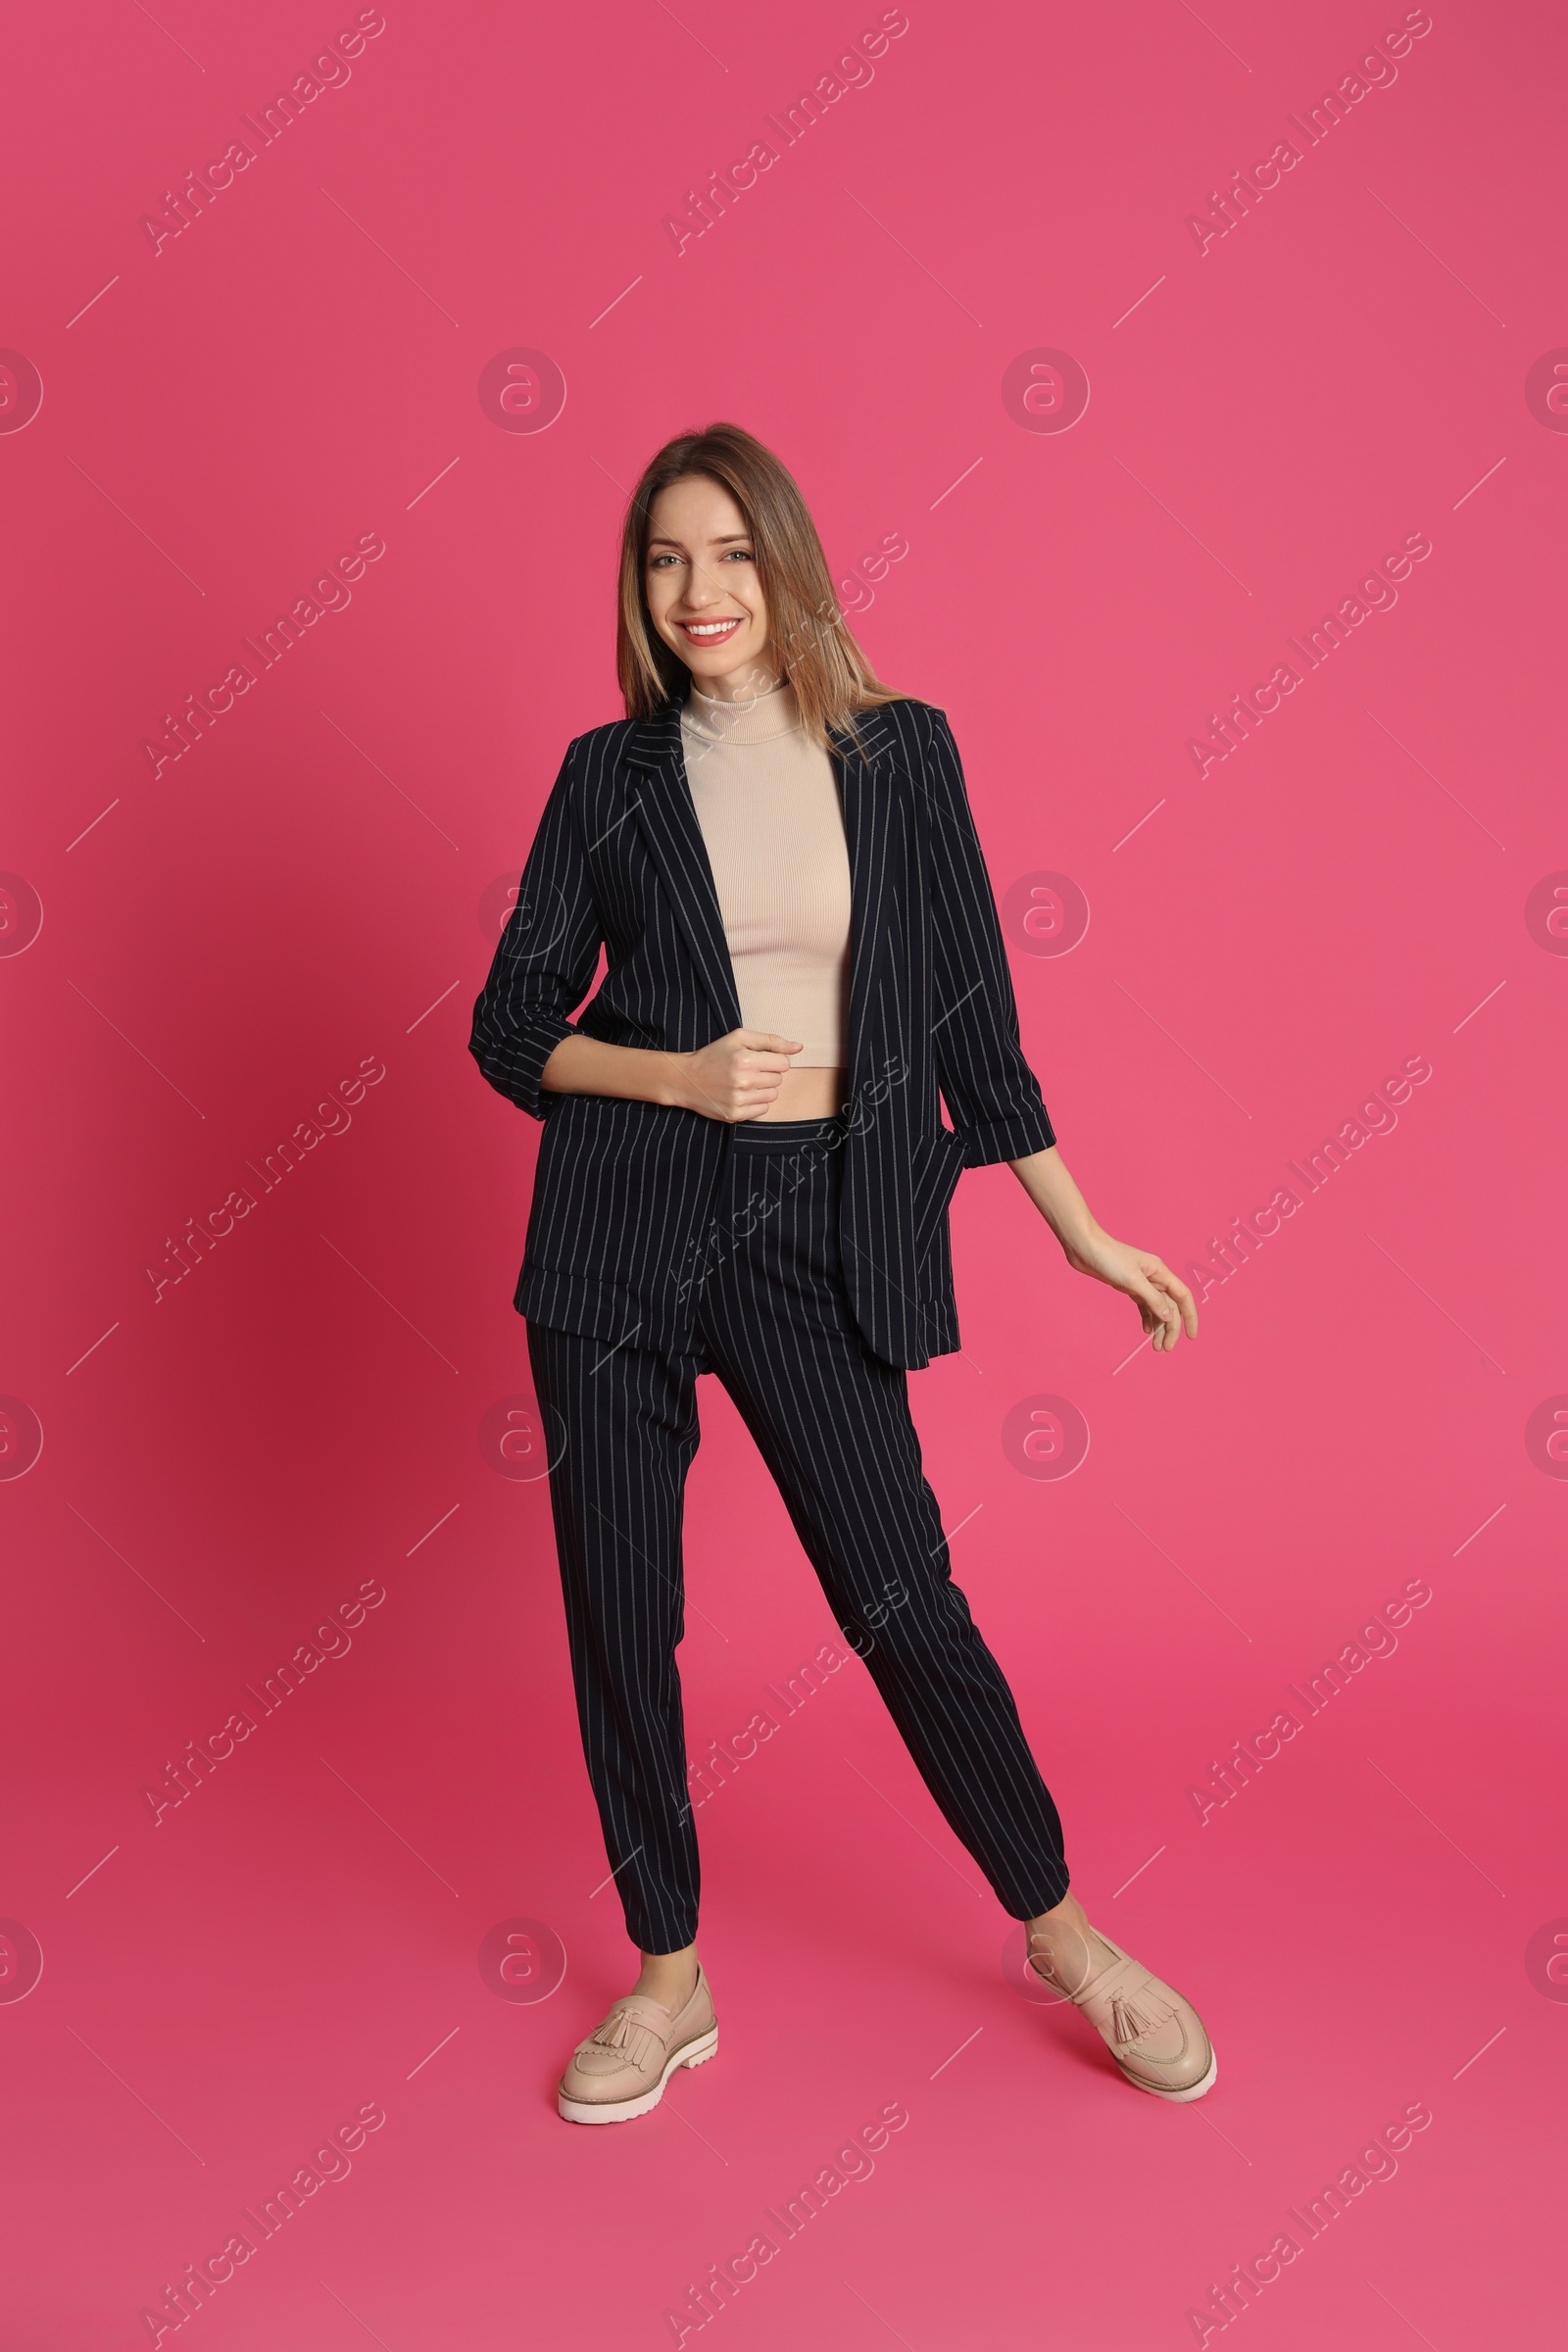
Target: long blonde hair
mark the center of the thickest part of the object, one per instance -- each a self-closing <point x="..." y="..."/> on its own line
<point x="816" y="652"/>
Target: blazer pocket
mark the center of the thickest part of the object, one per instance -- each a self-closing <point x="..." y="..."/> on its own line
<point x="938" y="1166"/>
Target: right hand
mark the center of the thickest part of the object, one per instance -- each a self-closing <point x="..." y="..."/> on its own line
<point x="736" y="1077"/>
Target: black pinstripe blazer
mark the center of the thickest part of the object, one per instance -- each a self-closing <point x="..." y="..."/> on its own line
<point x="620" y="1228"/>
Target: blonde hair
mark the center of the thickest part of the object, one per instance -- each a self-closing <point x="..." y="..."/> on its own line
<point x="815" y="650"/>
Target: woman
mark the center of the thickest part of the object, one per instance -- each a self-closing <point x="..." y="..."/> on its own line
<point x="744" y="1170"/>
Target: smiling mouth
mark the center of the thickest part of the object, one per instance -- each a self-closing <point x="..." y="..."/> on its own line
<point x="710" y="632"/>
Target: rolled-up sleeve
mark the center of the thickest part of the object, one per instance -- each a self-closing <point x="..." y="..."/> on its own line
<point x="546" y="956"/>
<point x="992" y="1094"/>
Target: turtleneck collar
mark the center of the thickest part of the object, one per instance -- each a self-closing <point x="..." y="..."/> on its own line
<point x="748" y="720"/>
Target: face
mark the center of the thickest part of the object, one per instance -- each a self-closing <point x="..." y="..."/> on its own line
<point x="704" y="596"/>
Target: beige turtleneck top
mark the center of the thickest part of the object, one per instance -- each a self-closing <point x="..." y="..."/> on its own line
<point x="768" y="802"/>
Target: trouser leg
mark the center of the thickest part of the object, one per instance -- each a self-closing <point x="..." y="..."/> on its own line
<point x="617" y="1490"/>
<point x="833" y="1424"/>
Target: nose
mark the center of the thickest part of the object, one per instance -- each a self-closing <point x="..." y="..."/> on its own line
<point x="702" y="590"/>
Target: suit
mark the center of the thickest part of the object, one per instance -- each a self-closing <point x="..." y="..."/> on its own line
<point x="805" y="1264"/>
<point x="622" y="1189"/>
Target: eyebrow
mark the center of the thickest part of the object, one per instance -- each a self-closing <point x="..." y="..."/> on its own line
<point x="729" y="539"/>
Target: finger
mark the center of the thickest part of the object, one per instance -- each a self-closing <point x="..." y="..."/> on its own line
<point x="767" y="1039"/>
<point x="1160" y="1318"/>
<point x="1186" y="1304"/>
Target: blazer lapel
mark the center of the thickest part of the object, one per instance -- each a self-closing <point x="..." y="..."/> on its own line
<point x="866" y="794"/>
<point x="668" y="815"/>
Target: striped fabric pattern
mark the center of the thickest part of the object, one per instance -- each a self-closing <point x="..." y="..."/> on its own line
<point x="622" y="1189"/>
<point x="773" y="1319"/>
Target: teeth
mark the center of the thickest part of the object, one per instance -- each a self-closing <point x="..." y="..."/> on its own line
<point x="707" y="628"/>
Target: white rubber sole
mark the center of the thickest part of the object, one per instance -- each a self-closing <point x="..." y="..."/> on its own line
<point x="1194" y="2090"/>
<point x="621" y="2111"/>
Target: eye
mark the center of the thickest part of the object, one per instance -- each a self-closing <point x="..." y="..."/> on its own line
<point x="744" y="553"/>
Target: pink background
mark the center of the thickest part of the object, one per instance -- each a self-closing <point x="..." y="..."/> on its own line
<point x="1367" y="1924"/>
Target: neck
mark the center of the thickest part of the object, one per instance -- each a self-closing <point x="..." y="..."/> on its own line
<point x="756" y="717"/>
<point x="745" y="685"/>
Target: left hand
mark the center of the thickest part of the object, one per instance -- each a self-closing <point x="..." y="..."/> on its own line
<point x="1165" y="1304"/>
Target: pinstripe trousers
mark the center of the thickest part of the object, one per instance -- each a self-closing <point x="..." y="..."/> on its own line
<point x="770" y="1315"/>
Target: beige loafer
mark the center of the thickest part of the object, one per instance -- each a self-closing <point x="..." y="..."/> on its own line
<point x="620" y="2068"/>
<point x="1156" y="2037"/>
